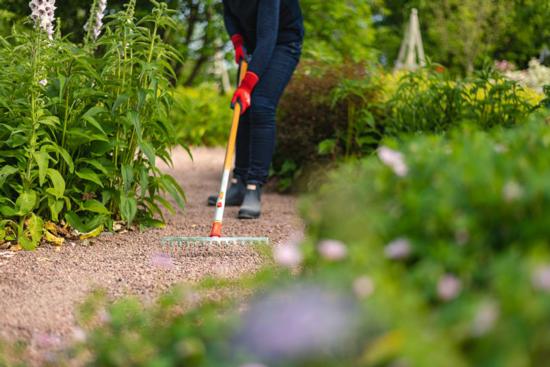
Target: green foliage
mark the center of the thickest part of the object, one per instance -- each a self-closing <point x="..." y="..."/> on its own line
<point x="467" y="285"/>
<point x="338" y="30"/>
<point x="201" y="115"/>
<point x="430" y="101"/>
<point x="473" y="209"/>
<point x="330" y="113"/>
<point x="82" y="128"/>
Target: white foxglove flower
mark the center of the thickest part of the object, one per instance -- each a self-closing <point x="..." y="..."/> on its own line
<point x="43" y="15"/>
<point x="394" y="160"/>
<point x="96" y="19"/>
<point x="43" y="82"/>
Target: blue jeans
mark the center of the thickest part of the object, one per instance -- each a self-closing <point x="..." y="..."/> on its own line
<point x="256" y="135"/>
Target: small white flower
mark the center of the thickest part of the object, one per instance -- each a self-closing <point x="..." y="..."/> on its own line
<point x="363" y="287"/>
<point x="448" y="287"/>
<point x="394" y="160"/>
<point x="333" y="250"/>
<point x="398" y="249"/>
<point x="288" y="255"/>
<point x="512" y="191"/>
<point x="541" y="278"/>
<point x="485" y="318"/>
<point x="43" y="82"/>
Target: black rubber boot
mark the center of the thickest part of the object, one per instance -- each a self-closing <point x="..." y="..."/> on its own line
<point x="252" y="204"/>
<point x="235" y="194"/>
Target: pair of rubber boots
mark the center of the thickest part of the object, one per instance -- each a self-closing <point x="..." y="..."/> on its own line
<point x="248" y="197"/>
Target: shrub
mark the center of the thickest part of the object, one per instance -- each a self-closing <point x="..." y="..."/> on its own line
<point x="81" y="128"/>
<point x="327" y="111"/>
<point x="201" y="115"/>
<point x="430" y="101"/>
<point x="450" y="256"/>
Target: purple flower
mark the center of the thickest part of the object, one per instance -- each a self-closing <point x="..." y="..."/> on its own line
<point x="296" y="323"/>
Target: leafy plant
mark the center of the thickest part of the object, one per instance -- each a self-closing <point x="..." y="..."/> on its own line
<point x="82" y="127"/>
<point x="430" y="101"/>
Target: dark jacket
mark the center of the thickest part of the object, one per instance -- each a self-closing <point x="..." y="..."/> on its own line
<point x="264" y="24"/>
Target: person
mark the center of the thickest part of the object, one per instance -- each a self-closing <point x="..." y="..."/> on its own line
<point x="272" y="32"/>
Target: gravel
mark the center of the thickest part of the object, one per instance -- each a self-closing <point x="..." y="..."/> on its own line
<point x="40" y="290"/>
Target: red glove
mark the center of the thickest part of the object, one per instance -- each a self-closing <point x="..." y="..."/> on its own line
<point x="238" y="44"/>
<point x="242" y="94"/>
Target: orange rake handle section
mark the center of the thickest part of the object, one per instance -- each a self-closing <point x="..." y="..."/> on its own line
<point x="228" y="163"/>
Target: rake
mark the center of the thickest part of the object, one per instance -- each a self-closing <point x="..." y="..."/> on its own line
<point x="216" y="242"/>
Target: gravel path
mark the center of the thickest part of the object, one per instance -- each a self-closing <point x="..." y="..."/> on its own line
<point x="39" y="290"/>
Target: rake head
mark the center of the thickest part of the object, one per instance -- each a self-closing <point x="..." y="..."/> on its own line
<point x="207" y="246"/>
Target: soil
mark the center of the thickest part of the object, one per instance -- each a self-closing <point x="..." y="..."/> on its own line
<point x="41" y="290"/>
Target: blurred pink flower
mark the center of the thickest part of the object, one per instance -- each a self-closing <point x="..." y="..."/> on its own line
<point x="512" y="191"/>
<point x="398" y="249"/>
<point x="363" y="287"/>
<point x="46" y="340"/>
<point x="448" y="287"/>
<point x="288" y="255"/>
<point x="485" y="318"/>
<point x="541" y="278"/>
<point x="394" y="160"/>
<point x="79" y="335"/>
<point x="333" y="250"/>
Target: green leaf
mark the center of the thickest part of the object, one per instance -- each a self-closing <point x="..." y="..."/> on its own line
<point x="62" y="152"/>
<point x="174" y="189"/>
<point x="83" y="225"/>
<point x="89" y="175"/>
<point x="128" y="208"/>
<point x="58" y="183"/>
<point x="55" y="206"/>
<point x="127" y="177"/>
<point x="327" y="146"/>
<point x="95" y="207"/>
<point x="42" y="160"/>
<point x="149" y="152"/>
<point x="26" y="202"/>
<point x="5" y="172"/>
<point x="31" y="236"/>
<point x="89" y="117"/>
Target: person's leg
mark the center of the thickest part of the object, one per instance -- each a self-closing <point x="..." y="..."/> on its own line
<point x="265" y="99"/>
